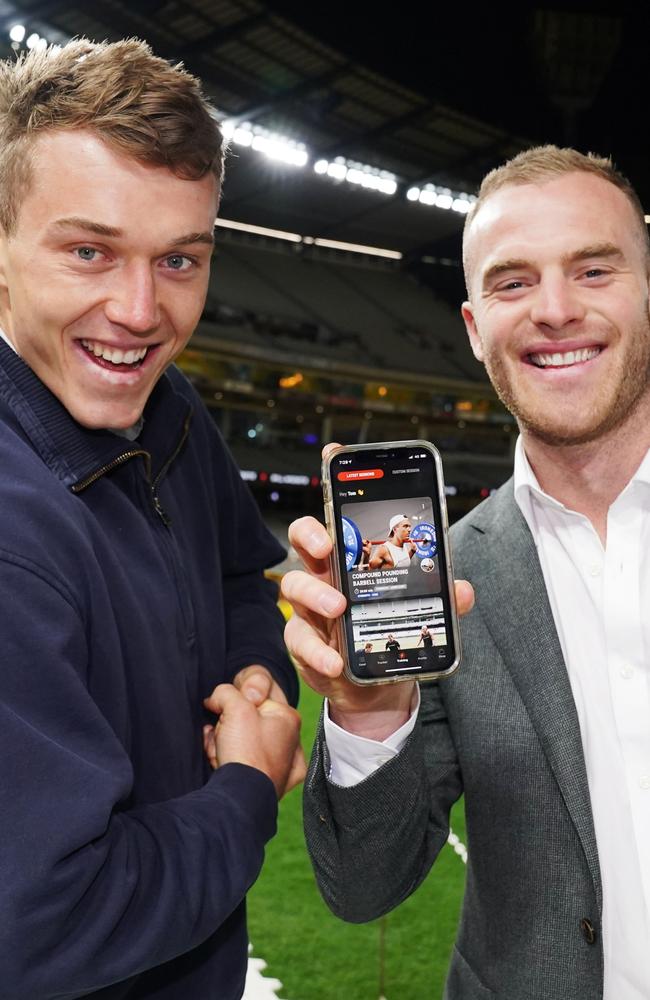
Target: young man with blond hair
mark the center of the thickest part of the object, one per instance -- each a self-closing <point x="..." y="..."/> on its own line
<point x="545" y="727"/>
<point x="135" y="610"/>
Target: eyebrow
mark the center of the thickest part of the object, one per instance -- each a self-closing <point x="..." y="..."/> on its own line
<point x="99" y="229"/>
<point x="601" y="250"/>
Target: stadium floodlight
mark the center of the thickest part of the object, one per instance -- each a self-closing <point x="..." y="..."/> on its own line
<point x="337" y="170"/>
<point x="243" y="136"/>
<point x="270" y="144"/>
<point x="277" y="148"/>
<point x="442" y="197"/>
<point x="17" y="32"/>
<point x="294" y="153"/>
<point x="360" y="174"/>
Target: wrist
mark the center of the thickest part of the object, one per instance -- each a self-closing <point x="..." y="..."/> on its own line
<point x="380" y="715"/>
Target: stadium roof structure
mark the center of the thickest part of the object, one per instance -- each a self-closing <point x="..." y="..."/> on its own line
<point x="428" y="98"/>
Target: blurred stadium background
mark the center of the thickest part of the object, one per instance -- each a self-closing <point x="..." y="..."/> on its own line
<point x="358" y="136"/>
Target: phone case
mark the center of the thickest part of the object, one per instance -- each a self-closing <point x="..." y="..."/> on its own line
<point x="444" y="548"/>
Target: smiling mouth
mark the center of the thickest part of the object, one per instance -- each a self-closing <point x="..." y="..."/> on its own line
<point x="565" y="359"/>
<point x="114" y="357"/>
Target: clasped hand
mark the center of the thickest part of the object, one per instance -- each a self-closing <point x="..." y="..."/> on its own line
<point x="256" y="726"/>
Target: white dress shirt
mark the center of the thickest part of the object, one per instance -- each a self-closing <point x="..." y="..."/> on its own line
<point x="6" y="340"/>
<point x="597" y="597"/>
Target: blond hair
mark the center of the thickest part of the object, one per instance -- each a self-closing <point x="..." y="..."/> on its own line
<point x="543" y="163"/>
<point x="139" y="104"/>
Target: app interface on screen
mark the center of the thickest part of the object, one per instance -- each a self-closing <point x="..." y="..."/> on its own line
<point x="388" y="528"/>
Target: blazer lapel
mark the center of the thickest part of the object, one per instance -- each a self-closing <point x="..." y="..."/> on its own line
<point x="511" y="595"/>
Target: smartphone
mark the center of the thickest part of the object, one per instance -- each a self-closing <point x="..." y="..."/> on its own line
<point x="386" y="514"/>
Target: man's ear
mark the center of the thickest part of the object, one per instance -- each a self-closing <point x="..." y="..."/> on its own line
<point x="467" y="313"/>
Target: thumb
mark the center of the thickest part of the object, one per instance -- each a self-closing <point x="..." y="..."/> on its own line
<point x="254" y="683"/>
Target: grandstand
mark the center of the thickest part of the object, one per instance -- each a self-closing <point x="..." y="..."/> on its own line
<point x="336" y="305"/>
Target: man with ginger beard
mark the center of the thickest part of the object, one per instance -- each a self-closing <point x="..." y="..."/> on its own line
<point x="135" y="610"/>
<point x="544" y="728"/>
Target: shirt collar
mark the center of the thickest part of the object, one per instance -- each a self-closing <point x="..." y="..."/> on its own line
<point x="527" y="488"/>
<point x="526" y="484"/>
<point x="642" y="474"/>
<point x="7" y="341"/>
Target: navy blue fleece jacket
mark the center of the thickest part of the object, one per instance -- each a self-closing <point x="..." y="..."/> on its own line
<point x="130" y="585"/>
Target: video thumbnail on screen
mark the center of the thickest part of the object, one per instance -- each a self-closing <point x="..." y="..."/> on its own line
<point x="390" y="549"/>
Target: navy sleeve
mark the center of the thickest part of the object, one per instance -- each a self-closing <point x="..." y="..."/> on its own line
<point x="94" y="892"/>
<point x="254" y="623"/>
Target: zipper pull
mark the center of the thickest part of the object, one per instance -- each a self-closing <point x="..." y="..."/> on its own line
<point x="159" y="510"/>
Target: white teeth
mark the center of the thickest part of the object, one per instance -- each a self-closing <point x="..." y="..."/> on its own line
<point x="114" y="354"/>
<point x="564" y="360"/>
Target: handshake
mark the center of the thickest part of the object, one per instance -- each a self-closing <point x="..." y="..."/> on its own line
<point x="256" y="726"/>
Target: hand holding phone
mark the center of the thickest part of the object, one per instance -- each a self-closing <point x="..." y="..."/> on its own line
<point x="385" y="510"/>
<point x="311" y="636"/>
<point x="312" y="640"/>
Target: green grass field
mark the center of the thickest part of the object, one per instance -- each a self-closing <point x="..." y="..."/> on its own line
<point x="317" y="956"/>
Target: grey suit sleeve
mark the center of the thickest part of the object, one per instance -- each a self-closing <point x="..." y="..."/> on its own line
<point x="373" y="843"/>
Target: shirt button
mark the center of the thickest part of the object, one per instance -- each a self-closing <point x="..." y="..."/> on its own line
<point x="644" y="781"/>
<point x="626" y="672"/>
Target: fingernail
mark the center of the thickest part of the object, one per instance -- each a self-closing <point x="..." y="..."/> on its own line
<point x="252" y="694"/>
<point x="330" y="603"/>
<point x="332" y="662"/>
<point x="317" y="540"/>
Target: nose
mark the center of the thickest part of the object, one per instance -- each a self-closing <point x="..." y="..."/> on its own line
<point x="133" y="300"/>
<point x="556" y="303"/>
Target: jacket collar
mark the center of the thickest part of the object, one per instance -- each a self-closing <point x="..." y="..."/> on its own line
<point x="74" y="453"/>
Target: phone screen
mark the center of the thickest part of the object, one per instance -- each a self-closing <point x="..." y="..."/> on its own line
<point x="392" y="561"/>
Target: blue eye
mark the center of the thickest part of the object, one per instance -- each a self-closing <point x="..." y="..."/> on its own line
<point x="86" y="253"/>
<point x="178" y="262"/>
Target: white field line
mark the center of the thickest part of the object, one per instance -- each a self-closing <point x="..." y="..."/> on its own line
<point x="459" y="848"/>
<point x="259" y="987"/>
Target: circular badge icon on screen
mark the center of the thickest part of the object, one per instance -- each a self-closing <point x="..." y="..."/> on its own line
<point x="427" y="565"/>
<point x="352" y="542"/>
<point x="424" y="536"/>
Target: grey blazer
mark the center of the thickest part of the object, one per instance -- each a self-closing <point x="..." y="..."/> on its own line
<point x="503" y="731"/>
